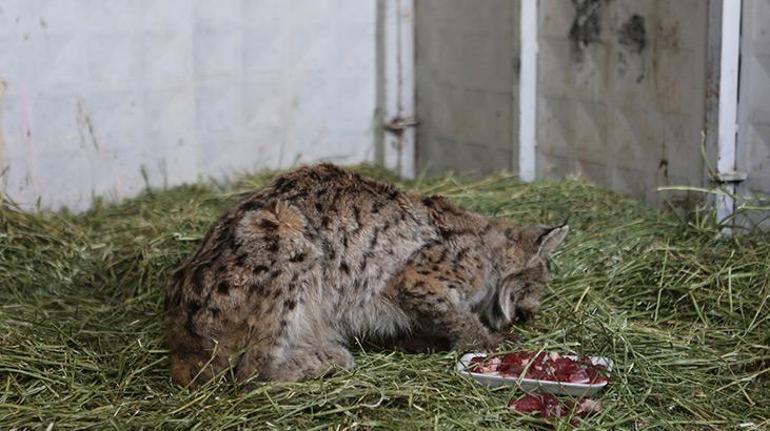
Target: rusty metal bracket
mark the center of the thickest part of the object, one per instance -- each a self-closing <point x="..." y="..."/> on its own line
<point x="731" y="177"/>
<point x="398" y="125"/>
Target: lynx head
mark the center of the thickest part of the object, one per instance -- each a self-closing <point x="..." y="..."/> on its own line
<point x="524" y="275"/>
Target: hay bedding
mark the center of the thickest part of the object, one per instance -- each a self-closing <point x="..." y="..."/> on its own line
<point x="684" y="316"/>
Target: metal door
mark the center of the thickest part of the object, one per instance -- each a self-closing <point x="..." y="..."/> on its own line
<point x="753" y="145"/>
<point x="467" y="84"/>
<point x="621" y="92"/>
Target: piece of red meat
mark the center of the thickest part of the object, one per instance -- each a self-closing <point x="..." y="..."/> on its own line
<point x="579" y="376"/>
<point x="548" y="406"/>
<point x="596" y="375"/>
<point x="564" y="365"/>
<point x="529" y="403"/>
<point x="480" y="364"/>
<point x="538" y="367"/>
<point x="513" y="364"/>
<point x="544" y="405"/>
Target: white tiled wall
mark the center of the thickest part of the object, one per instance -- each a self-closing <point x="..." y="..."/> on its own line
<point x="91" y="91"/>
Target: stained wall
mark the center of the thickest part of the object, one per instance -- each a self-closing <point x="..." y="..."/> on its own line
<point x="99" y="98"/>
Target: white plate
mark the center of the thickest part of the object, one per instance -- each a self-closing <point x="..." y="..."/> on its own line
<point x="534" y="385"/>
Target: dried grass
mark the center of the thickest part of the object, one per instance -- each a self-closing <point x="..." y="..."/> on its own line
<point x="683" y="314"/>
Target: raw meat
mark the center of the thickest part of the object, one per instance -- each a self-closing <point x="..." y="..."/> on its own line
<point x="548" y="406"/>
<point x="542" y="366"/>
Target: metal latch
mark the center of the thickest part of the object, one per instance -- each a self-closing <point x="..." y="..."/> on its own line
<point x="731" y="177"/>
<point x="398" y="125"/>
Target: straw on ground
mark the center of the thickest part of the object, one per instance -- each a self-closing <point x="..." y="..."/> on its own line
<point x="683" y="314"/>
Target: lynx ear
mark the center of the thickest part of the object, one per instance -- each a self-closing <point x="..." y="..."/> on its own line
<point x="504" y="302"/>
<point x="497" y="310"/>
<point x="550" y="239"/>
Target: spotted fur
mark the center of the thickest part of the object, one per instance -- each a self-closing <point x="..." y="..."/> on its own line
<point x="290" y="275"/>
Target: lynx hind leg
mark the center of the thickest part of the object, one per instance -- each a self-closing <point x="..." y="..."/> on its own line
<point x="308" y="362"/>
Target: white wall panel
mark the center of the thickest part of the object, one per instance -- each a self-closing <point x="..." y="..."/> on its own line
<point x="94" y="90"/>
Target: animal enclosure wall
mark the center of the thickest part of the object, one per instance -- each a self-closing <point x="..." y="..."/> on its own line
<point x="622" y="92"/>
<point x="98" y="98"/>
<point x="467" y="69"/>
<point x="753" y="149"/>
<point x="102" y="98"/>
<point x="631" y="94"/>
<point x="621" y="89"/>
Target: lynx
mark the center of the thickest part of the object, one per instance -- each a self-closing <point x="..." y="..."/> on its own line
<point x="284" y="280"/>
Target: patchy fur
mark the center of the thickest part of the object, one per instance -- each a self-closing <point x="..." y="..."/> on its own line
<point x="290" y="275"/>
